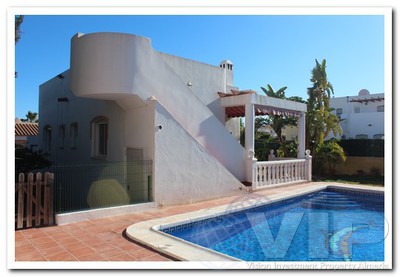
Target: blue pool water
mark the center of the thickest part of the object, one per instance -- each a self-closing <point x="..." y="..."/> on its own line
<point x="328" y="225"/>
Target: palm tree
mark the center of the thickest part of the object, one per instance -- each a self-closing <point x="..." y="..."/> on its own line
<point x="18" y="21"/>
<point x="31" y="117"/>
<point x="320" y="121"/>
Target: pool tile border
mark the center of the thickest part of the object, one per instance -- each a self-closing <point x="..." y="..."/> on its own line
<point x="149" y="232"/>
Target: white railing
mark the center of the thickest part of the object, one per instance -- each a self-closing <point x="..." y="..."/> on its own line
<point x="281" y="172"/>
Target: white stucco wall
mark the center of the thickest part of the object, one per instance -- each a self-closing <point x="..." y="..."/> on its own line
<point x="368" y="121"/>
<point x="205" y="81"/>
<point x="184" y="171"/>
<point x="81" y="111"/>
<point x="112" y="66"/>
<point x="139" y="129"/>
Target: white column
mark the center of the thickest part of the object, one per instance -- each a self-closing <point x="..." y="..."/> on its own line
<point x="301" y="135"/>
<point x="249" y="141"/>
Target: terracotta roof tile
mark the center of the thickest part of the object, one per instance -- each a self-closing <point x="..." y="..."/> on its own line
<point x="26" y="129"/>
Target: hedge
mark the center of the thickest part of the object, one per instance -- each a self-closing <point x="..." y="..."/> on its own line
<point x="363" y="147"/>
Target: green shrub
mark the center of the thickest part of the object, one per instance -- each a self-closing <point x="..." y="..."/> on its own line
<point x="327" y="155"/>
<point x="363" y="147"/>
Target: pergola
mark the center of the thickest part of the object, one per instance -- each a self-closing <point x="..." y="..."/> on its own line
<point x="249" y="104"/>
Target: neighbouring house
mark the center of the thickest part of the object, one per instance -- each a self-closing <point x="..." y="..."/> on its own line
<point x="361" y="116"/>
<point x="267" y="129"/>
<point x="176" y="120"/>
<point x="26" y="134"/>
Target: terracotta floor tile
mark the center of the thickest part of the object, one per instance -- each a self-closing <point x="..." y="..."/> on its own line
<point x="77" y="232"/>
<point x="48" y="245"/>
<point x="109" y="236"/>
<point x="67" y="241"/>
<point x="102" y="239"/>
<point x="19" y="235"/>
<point x="92" y="257"/>
<point x="103" y="247"/>
<point x="32" y="256"/>
<point x="63" y="256"/>
<point x="53" y="251"/>
<point x="70" y="227"/>
<point x="110" y="252"/>
<point x="22" y="242"/>
<point x="97" y="229"/>
<point x="74" y="246"/>
<point x="25" y="249"/>
<point x="156" y="258"/>
<point x="34" y="233"/>
<point x="84" y="224"/>
<point x="93" y="241"/>
<point x="52" y="230"/>
<point x="122" y="257"/>
<point x="58" y="235"/>
<point x="85" y="250"/>
<point x="42" y="240"/>
<point x="141" y="253"/>
<point x="129" y="246"/>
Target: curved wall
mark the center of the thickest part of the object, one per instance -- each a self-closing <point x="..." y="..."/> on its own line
<point x="113" y="66"/>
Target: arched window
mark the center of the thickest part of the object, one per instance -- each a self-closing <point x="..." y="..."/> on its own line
<point x="362" y="136"/>
<point x="47" y="138"/>
<point x="99" y="137"/>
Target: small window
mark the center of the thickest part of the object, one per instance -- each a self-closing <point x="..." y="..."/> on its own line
<point x="47" y="138"/>
<point x="380" y="108"/>
<point x="99" y="138"/>
<point x="339" y="112"/>
<point x="61" y="136"/>
<point x="378" y="136"/>
<point x="73" y="135"/>
<point x="356" y="109"/>
<point x="362" y="136"/>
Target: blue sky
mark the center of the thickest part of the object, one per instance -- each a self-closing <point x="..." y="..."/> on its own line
<point x="270" y="49"/>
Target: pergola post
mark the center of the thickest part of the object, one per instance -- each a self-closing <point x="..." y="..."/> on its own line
<point x="249" y="140"/>
<point x="301" y="136"/>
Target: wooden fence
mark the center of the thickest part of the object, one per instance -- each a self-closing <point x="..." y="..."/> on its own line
<point x="34" y="200"/>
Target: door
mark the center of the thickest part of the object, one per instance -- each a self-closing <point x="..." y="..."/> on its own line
<point x="136" y="181"/>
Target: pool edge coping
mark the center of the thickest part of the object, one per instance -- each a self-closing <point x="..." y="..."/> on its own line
<point x="148" y="232"/>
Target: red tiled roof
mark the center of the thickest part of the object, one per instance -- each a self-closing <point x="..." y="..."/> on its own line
<point x="26" y="129"/>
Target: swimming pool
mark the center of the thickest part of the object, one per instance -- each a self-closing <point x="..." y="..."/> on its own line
<point x="333" y="224"/>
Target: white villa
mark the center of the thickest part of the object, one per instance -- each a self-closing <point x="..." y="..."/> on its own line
<point x="362" y="116"/>
<point x="121" y="100"/>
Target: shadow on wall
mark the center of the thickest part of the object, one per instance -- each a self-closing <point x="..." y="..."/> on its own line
<point x="235" y="162"/>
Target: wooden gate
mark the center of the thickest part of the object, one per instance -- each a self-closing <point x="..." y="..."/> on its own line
<point x="34" y="200"/>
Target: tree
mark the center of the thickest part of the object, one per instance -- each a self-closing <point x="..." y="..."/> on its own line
<point x="277" y="122"/>
<point x="27" y="160"/>
<point x="31" y="117"/>
<point x="259" y="121"/>
<point x="319" y="119"/>
<point x="329" y="153"/>
<point x="18" y="21"/>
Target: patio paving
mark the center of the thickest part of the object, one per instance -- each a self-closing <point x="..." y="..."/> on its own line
<point x="104" y="239"/>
